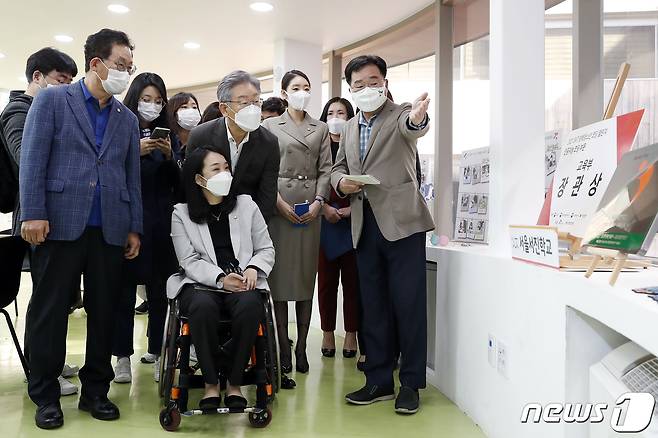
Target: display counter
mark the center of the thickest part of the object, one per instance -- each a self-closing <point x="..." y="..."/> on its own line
<point x="554" y="326"/>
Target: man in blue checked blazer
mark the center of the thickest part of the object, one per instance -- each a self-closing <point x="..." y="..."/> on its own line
<point x="82" y="212"/>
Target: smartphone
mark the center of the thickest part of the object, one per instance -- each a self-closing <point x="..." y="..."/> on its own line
<point x="159" y="133"/>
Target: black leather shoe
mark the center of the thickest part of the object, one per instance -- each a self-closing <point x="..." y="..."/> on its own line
<point x="301" y="363"/>
<point x="408" y="401"/>
<point x="328" y="352"/>
<point x="370" y="394"/>
<point x="100" y="407"/>
<point x="286" y="369"/>
<point x="49" y="416"/>
<point x="349" y="354"/>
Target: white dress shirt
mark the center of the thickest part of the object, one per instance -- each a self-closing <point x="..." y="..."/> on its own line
<point x="235" y="147"/>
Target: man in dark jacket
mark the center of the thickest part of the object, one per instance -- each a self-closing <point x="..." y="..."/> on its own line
<point x="45" y="68"/>
<point x="251" y="150"/>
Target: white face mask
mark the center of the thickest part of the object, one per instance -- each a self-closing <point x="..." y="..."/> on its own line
<point x="116" y="82"/>
<point x="148" y="111"/>
<point x="369" y="99"/>
<point x="336" y="125"/>
<point x="220" y="184"/>
<point x="48" y="85"/>
<point x="299" y="99"/>
<point x="188" y="118"/>
<point x="248" y="118"/>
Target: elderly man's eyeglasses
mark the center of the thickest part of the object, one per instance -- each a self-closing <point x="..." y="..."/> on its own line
<point x="242" y="104"/>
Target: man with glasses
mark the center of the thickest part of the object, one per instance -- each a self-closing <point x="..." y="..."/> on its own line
<point x="251" y="150"/>
<point x="81" y="210"/>
<point x="389" y="221"/>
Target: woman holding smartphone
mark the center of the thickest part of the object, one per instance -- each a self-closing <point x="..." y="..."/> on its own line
<point x="304" y="172"/>
<point x="147" y="98"/>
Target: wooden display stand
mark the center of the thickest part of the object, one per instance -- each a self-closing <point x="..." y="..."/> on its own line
<point x="573" y="259"/>
<point x="612" y="257"/>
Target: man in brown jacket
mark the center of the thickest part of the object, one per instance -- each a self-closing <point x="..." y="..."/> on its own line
<point x="389" y="222"/>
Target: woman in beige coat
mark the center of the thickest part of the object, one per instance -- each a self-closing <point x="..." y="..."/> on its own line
<point x="304" y="172"/>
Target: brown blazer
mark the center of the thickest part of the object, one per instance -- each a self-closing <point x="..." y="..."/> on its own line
<point x="397" y="204"/>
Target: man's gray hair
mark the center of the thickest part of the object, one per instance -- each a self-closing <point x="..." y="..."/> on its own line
<point x="232" y="79"/>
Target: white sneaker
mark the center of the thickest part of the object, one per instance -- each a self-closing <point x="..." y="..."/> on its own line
<point x="122" y="372"/>
<point x="70" y="370"/>
<point x="156" y="370"/>
<point x="149" y="358"/>
<point x="66" y="387"/>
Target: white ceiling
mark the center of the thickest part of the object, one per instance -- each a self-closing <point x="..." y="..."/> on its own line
<point x="231" y="34"/>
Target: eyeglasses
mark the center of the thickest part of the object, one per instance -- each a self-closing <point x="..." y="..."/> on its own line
<point x="122" y="68"/>
<point x="258" y="102"/>
<point x="360" y="86"/>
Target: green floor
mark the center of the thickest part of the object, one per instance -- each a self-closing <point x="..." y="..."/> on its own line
<point x="316" y="408"/>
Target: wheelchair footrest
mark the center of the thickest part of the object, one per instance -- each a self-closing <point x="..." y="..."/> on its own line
<point x="194" y="412"/>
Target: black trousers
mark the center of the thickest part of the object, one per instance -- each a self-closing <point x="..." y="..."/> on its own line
<point x="393" y="293"/>
<point x="56" y="270"/>
<point x="203" y="312"/>
<point x="156" y="296"/>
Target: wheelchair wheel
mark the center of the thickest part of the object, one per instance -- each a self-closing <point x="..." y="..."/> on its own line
<point x="169" y="353"/>
<point x="170" y="419"/>
<point x="272" y="364"/>
<point x="260" y="419"/>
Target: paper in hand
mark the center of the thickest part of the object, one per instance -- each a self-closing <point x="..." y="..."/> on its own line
<point x="362" y="179"/>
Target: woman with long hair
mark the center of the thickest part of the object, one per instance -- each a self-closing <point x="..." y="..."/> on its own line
<point x="147" y="98"/>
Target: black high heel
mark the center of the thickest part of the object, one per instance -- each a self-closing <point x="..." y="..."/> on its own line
<point x="301" y="364"/>
<point x="328" y="352"/>
<point x="349" y="354"/>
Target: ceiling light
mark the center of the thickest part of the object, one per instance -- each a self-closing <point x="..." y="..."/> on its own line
<point x="118" y="9"/>
<point x="63" y="38"/>
<point x="192" y="46"/>
<point x="261" y="6"/>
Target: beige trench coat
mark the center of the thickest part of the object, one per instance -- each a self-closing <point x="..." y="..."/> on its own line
<point x="304" y="173"/>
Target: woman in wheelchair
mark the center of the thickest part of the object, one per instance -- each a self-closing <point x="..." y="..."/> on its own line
<point x="225" y="252"/>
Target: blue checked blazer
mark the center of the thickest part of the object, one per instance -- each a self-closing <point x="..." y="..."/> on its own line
<point x="61" y="165"/>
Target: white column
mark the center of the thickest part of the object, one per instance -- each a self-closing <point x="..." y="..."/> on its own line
<point x="335" y="74"/>
<point x="517" y="116"/>
<point x="443" y="109"/>
<point x="298" y="55"/>
<point x="587" y="94"/>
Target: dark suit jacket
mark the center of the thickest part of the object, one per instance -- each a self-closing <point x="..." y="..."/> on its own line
<point x="60" y="167"/>
<point x="257" y="171"/>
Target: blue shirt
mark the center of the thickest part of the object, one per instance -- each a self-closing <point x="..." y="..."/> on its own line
<point x="99" y="118"/>
<point x="365" y="129"/>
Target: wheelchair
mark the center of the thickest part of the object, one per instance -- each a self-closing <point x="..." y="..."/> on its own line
<point x="178" y="376"/>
